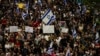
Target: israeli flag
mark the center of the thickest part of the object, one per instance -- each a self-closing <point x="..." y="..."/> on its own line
<point x="40" y="2"/>
<point x="51" y="44"/>
<point x="83" y="9"/>
<point x="50" y="49"/>
<point x="48" y="17"/>
<point x="97" y="37"/>
<point x="94" y="26"/>
<point x="68" y="52"/>
<point x="74" y="33"/>
<point x="24" y="15"/>
<point x="65" y="2"/>
<point x="17" y="10"/>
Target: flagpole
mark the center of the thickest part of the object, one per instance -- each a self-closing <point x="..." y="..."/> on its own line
<point x="28" y="4"/>
<point x="39" y="9"/>
<point x="39" y="4"/>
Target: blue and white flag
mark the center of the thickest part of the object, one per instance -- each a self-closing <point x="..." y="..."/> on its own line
<point x="97" y="36"/>
<point x="24" y="15"/>
<point x="65" y="2"/>
<point x="84" y="9"/>
<point x="50" y="49"/>
<point x="68" y="52"/>
<point x="48" y="17"/>
<point x="74" y="33"/>
<point x="39" y="2"/>
<point x="17" y="10"/>
<point x="94" y="26"/>
<point x="51" y="44"/>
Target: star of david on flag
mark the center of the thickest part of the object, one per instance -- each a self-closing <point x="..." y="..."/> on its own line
<point x="48" y="17"/>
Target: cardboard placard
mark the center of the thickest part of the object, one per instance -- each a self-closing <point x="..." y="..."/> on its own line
<point x="29" y="29"/>
<point x="64" y="30"/>
<point x="13" y="28"/>
<point x="48" y="28"/>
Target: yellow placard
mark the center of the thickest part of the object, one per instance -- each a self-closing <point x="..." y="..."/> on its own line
<point x="21" y="5"/>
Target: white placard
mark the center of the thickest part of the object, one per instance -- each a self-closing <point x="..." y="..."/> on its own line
<point x="13" y="28"/>
<point x="48" y="28"/>
<point x="64" y="30"/>
<point x="29" y="29"/>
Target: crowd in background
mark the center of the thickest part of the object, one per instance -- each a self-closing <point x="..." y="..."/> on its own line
<point x="81" y="20"/>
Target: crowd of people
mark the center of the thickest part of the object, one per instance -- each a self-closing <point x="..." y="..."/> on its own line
<point x="82" y="39"/>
